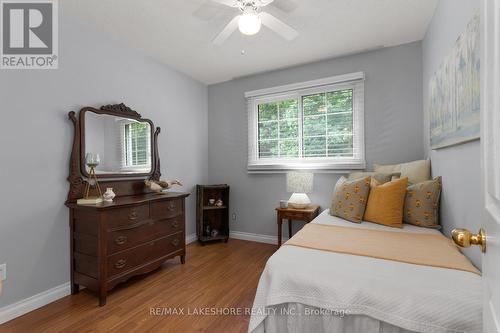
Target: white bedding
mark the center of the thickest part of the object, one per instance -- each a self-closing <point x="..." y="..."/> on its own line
<point x="398" y="295"/>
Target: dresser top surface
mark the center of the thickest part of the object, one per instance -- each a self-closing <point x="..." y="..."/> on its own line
<point x="130" y="200"/>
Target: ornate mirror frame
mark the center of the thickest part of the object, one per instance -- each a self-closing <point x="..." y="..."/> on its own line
<point x="127" y="184"/>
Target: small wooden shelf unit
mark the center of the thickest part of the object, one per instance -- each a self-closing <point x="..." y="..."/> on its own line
<point x="211" y="216"/>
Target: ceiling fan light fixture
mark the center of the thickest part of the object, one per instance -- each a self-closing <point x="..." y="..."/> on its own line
<point x="249" y="23"/>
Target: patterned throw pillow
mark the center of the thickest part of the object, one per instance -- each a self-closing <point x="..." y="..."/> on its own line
<point x="349" y="198"/>
<point x="422" y="204"/>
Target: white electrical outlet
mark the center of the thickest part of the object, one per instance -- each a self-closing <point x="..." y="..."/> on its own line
<point x="234" y="216"/>
<point x="3" y="272"/>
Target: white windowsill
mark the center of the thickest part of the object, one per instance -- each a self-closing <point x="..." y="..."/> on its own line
<point x="320" y="168"/>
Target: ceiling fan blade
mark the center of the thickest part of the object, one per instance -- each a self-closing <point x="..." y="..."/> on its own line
<point x="227" y="31"/>
<point x="278" y="26"/>
<point x="230" y="3"/>
<point x="286" y="6"/>
<point x="262" y="3"/>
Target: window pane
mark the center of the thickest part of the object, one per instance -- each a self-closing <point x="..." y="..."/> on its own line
<point x="289" y="109"/>
<point x="327" y="126"/>
<point x="268" y="130"/>
<point x="268" y="111"/>
<point x="339" y="101"/>
<point x="289" y="148"/>
<point x="314" y="125"/>
<point x="268" y="149"/>
<point x="315" y="147"/>
<point x="340" y="123"/>
<point x="314" y="104"/>
<point x="279" y="129"/>
<point x="340" y="145"/>
<point x="289" y="129"/>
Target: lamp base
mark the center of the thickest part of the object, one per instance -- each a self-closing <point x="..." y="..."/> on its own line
<point x="299" y="201"/>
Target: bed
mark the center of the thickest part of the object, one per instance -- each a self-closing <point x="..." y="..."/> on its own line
<point x="309" y="290"/>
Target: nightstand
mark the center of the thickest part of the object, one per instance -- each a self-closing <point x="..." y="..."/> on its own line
<point x="304" y="214"/>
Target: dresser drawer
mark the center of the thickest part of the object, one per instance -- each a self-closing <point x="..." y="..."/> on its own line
<point x="147" y="230"/>
<point x="295" y="215"/>
<point x="128" y="259"/>
<point x="126" y="216"/>
<point x="166" y="209"/>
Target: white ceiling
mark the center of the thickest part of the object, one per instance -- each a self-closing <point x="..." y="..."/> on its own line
<point x="168" y="31"/>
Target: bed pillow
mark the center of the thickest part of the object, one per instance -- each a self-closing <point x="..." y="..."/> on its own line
<point x="385" y="203"/>
<point x="349" y="198"/>
<point x="422" y="204"/>
<point x="416" y="171"/>
<point x="380" y="177"/>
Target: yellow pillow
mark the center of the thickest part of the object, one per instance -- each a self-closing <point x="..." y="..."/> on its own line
<point x="386" y="202"/>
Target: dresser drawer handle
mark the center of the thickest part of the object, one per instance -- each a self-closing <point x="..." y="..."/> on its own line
<point x="171" y="207"/>
<point x="175" y="242"/>
<point x="120" y="263"/>
<point x="133" y="215"/>
<point x="151" y="223"/>
<point x="120" y="240"/>
<point x="175" y="224"/>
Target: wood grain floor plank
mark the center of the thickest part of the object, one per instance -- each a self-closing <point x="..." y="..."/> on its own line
<point x="220" y="276"/>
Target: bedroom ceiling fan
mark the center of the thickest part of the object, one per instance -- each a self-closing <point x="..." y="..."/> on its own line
<point x="252" y="18"/>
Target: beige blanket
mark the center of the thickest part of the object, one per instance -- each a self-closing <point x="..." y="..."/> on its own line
<point x="413" y="248"/>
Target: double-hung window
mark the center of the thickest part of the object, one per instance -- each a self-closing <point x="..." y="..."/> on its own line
<point x="310" y="125"/>
<point x="136" y="152"/>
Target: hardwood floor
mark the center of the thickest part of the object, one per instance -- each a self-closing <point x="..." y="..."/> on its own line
<point x="220" y="275"/>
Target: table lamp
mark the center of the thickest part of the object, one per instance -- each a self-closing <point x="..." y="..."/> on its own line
<point x="92" y="161"/>
<point x="299" y="183"/>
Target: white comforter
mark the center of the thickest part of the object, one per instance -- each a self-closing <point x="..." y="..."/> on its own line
<point x="413" y="297"/>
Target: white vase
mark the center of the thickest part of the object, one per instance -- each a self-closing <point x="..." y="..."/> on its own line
<point x="109" y="195"/>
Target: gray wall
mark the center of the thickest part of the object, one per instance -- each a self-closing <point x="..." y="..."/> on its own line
<point x="393" y="121"/>
<point x="458" y="165"/>
<point x="36" y="136"/>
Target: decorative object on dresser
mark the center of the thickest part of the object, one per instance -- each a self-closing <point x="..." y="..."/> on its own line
<point x="109" y="195"/>
<point x="136" y="232"/>
<point x="299" y="214"/>
<point x="212" y="213"/>
<point x="299" y="183"/>
<point x="92" y="161"/>
<point x="161" y="186"/>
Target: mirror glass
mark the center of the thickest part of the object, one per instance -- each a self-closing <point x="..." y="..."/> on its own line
<point x="117" y="145"/>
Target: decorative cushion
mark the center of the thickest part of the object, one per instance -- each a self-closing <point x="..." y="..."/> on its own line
<point x="385" y="203"/>
<point x="349" y="198"/>
<point x="416" y="171"/>
<point x="422" y="204"/>
<point x="382" y="178"/>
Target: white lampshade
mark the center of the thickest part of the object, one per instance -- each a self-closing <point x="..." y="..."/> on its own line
<point x="249" y="23"/>
<point x="299" y="182"/>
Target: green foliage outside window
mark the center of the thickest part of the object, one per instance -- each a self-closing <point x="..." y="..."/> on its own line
<point x="136" y="144"/>
<point x="327" y="126"/>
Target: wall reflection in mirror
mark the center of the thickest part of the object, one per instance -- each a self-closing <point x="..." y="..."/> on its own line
<point x="123" y="145"/>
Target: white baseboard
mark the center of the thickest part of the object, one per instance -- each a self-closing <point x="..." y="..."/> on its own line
<point x="255" y="237"/>
<point x="34" y="302"/>
<point x="191" y="238"/>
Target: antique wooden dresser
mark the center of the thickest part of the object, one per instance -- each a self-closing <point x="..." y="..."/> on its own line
<point x="134" y="234"/>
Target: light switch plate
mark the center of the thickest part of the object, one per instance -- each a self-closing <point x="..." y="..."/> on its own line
<point x="3" y="272"/>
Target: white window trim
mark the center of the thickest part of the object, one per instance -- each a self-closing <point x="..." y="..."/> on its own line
<point x="353" y="81"/>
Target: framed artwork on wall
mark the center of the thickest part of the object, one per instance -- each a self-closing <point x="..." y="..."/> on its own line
<point x="454" y="92"/>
